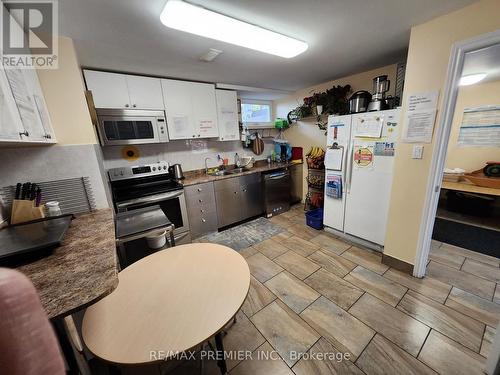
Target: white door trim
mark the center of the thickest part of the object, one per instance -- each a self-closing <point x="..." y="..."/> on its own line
<point x="442" y="136"/>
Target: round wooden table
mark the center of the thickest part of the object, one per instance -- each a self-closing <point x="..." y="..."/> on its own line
<point x="168" y="302"/>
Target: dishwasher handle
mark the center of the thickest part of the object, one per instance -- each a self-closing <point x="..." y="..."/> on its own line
<point x="276" y="176"/>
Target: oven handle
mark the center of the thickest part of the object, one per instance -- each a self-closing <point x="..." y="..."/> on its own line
<point x="150" y="199"/>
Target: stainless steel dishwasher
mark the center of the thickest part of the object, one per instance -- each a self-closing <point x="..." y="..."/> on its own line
<point x="276" y="192"/>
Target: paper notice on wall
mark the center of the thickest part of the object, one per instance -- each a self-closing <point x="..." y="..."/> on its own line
<point x="480" y="127"/>
<point x="181" y="123"/>
<point x="228" y="119"/>
<point x="206" y="126"/>
<point x="363" y="157"/>
<point x="333" y="158"/>
<point x="420" y="117"/>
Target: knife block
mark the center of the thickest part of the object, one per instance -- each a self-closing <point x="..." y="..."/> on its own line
<point x="23" y="210"/>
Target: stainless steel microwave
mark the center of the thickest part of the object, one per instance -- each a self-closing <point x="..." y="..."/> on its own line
<point x="131" y="126"/>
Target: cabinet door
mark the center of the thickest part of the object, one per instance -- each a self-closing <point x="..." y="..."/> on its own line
<point x="228" y="198"/>
<point x="109" y="90"/>
<point x="20" y="82"/>
<point x="204" y="109"/>
<point x="10" y="121"/>
<point x="177" y="99"/>
<point x="145" y="92"/>
<point x="227" y="115"/>
<point x="40" y="105"/>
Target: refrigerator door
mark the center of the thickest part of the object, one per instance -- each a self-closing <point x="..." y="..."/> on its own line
<point x="334" y="208"/>
<point x="369" y="179"/>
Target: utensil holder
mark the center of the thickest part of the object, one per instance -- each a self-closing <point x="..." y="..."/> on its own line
<point x="23" y="210"/>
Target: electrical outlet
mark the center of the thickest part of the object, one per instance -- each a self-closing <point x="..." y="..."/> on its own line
<point x="418" y="152"/>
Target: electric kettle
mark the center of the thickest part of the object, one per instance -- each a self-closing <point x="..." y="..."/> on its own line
<point x="175" y="171"/>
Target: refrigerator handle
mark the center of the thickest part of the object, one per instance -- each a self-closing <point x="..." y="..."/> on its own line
<point x="348" y="175"/>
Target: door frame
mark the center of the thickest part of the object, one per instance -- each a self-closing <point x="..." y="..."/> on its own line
<point x="443" y="131"/>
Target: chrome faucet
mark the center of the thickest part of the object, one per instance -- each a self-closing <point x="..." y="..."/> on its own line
<point x="206" y="166"/>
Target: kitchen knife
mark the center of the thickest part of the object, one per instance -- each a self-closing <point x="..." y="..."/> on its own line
<point x="38" y="198"/>
<point x="32" y="192"/>
<point x="28" y="191"/>
<point x="23" y="191"/>
<point x="18" y="191"/>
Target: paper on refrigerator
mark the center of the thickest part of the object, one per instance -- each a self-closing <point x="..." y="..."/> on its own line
<point x="420" y="117"/>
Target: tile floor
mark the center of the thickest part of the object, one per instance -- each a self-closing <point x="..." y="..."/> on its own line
<point x="313" y="293"/>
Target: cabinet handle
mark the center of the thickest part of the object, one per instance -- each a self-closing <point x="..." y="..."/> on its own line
<point x="202" y="211"/>
<point x="47" y="136"/>
<point x="235" y="192"/>
<point x="134" y="105"/>
<point x="194" y="135"/>
<point x="200" y="200"/>
<point x="127" y="105"/>
<point x="203" y="220"/>
<point x="199" y="135"/>
<point x="244" y="190"/>
<point x="25" y="133"/>
<point x="200" y="189"/>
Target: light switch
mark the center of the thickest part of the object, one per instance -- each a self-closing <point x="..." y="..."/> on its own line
<point x="418" y="152"/>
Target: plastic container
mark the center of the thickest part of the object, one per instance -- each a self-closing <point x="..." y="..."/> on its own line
<point x="157" y="240"/>
<point x="53" y="209"/>
<point x="314" y="218"/>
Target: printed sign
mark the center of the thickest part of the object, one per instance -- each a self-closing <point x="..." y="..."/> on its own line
<point x="363" y="156"/>
<point x="29" y="34"/>
<point x="384" y="149"/>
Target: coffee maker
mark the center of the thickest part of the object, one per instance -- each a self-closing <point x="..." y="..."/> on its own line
<point x="380" y="86"/>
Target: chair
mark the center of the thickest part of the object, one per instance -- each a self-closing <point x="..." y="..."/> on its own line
<point x="28" y="345"/>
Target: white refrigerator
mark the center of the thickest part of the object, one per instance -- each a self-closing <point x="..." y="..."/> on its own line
<point x="359" y="170"/>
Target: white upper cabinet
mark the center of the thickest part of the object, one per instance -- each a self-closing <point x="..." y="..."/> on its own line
<point x="113" y="90"/>
<point x="145" y="92"/>
<point x="191" y="109"/>
<point x="227" y="115"/>
<point x="23" y="108"/>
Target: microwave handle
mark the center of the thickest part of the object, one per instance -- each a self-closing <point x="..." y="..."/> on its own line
<point x="149" y="199"/>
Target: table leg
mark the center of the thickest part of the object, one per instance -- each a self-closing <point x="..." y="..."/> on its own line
<point x="172" y="239"/>
<point x="220" y="353"/>
<point x="122" y="255"/>
<point x="66" y="347"/>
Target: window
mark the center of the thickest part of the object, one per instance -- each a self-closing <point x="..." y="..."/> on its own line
<point x="257" y="112"/>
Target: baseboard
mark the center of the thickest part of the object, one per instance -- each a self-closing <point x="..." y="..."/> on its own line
<point x="397" y="264"/>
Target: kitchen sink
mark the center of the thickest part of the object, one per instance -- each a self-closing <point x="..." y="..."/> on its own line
<point x="220" y="173"/>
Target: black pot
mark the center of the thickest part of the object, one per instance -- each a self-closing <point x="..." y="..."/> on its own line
<point x="358" y="102"/>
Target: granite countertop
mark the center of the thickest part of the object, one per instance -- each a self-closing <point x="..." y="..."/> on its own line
<point x="199" y="176"/>
<point x="80" y="271"/>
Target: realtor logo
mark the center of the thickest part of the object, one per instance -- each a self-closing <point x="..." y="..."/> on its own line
<point x="29" y="34"/>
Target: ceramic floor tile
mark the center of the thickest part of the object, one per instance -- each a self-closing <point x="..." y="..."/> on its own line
<point x="341" y="329"/>
<point x="448" y="357"/>
<point x="303" y="231"/>
<point x="489" y="334"/>
<point x="330" y="243"/>
<point x="293" y="292"/>
<point x="427" y="286"/>
<point x="382" y="357"/>
<point x="472" y="254"/>
<point x="282" y="236"/>
<point x="388" y="291"/>
<point x="271" y="248"/>
<point x="406" y="332"/>
<point x="298" y="219"/>
<point x="296" y="264"/>
<point x="258" y="297"/>
<point x="367" y="258"/>
<point x="486" y="271"/>
<point x="263" y="361"/>
<point x="435" y="244"/>
<point x="285" y="331"/>
<point x="281" y="221"/>
<point x="241" y="336"/>
<point x="300" y="246"/>
<point x="446" y="256"/>
<point x="262" y="267"/>
<point x="333" y="263"/>
<point x="459" y="327"/>
<point x="248" y="252"/>
<point x="334" y="288"/>
<point x="463" y="280"/>
<point x="334" y="362"/>
<point x="479" y="308"/>
<point x="496" y="297"/>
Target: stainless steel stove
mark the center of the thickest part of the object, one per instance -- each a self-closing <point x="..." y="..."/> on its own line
<point x="147" y="185"/>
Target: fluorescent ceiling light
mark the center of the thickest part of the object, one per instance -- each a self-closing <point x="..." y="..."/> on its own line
<point x="471" y="79"/>
<point x="200" y="21"/>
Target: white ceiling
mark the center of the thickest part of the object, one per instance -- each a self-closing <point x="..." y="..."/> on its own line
<point x="485" y="60"/>
<point x="344" y="36"/>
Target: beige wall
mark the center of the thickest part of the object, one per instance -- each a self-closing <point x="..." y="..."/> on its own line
<point x="63" y="90"/>
<point x="472" y="158"/>
<point x="428" y="55"/>
<point x="307" y="134"/>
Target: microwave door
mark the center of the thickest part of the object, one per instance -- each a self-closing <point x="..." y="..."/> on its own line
<point x="128" y="130"/>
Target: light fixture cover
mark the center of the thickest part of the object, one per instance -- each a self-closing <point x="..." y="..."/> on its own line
<point x="471" y="79"/>
<point x="193" y="19"/>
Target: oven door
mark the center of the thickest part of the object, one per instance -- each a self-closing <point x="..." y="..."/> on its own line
<point x="128" y="130"/>
<point x="172" y="203"/>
